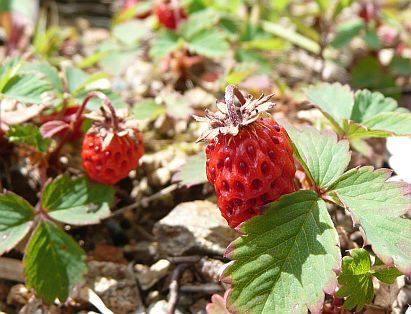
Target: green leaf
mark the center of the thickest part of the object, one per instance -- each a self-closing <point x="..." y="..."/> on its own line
<point x="16" y="216"/>
<point x="130" y="32"/>
<point x="50" y="73"/>
<point x="346" y="33"/>
<point x="400" y="66"/>
<point x="28" y="134"/>
<point x="26" y="88"/>
<point x="387" y="275"/>
<point x="193" y="171"/>
<point x="115" y="62"/>
<point x="368" y="73"/>
<point x="75" y="79"/>
<point x="291" y="36"/>
<point x="208" y="43"/>
<point x="284" y="261"/>
<point x="198" y="22"/>
<point x="77" y="201"/>
<point x="368" y="104"/>
<point x="356" y="280"/>
<point x="372" y="40"/>
<point x="323" y="4"/>
<point x="53" y="263"/>
<point x="396" y="123"/>
<point x="376" y="205"/>
<point x="334" y="100"/>
<point x="163" y="44"/>
<point x="148" y="109"/>
<point x="340" y="6"/>
<point x="322" y="156"/>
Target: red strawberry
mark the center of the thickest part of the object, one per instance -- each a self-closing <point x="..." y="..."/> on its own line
<point x="249" y="158"/>
<point x="110" y="153"/>
<point x="169" y="16"/>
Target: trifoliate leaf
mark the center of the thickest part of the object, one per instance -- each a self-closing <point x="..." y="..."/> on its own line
<point x="193" y="171"/>
<point x="209" y="43"/>
<point x="54" y="263"/>
<point x="376" y="205"/>
<point x="284" y="261"/>
<point x="16" y="216"/>
<point x="77" y="201"/>
<point x="28" y="134"/>
<point x="321" y="154"/>
<point x="334" y="100"/>
<point x="356" y="280"/>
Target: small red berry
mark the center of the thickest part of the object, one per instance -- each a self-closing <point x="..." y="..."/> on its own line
<point x="169" y="16"/>
<point x="109" y="154"/>
<point x="249" y="159"/>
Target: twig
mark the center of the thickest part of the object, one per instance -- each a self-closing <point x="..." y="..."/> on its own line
<point x="184" y="259"/>
<point x="11" y="269"/>
<point x="145" y="200"/>
<point x="173" y="295"/>
<point x="208" y="288"/>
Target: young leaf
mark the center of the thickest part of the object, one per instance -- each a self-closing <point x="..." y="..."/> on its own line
<point x="193" y="171"/>
<point x="28" y="134"/>
<point x="321" y="155"/>
<point x="208" y="43"/>
<point x="376" y="205"/>
<point x="284" y="261"/>
<point x="356" y="280"/>
<point x="334" y="100"/>
<point x="16" y="216"/>
<point x="77" y="201"/>
<point x="26" y="88"/>
<point x="53" y="263"/>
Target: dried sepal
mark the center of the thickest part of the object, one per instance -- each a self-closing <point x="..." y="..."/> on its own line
<point x="229" y="118"/>
<point x="102" y="125"/>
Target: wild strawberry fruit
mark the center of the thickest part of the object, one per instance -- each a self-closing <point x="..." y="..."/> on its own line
<point x="111" y="148"/>
<point x="169" y="16"/>
<point x="249" y="157"/>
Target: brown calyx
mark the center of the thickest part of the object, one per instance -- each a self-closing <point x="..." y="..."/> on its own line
<point x="229" y="117"/>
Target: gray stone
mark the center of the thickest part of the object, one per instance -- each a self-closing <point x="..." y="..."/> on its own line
<point x="193" y="225"/>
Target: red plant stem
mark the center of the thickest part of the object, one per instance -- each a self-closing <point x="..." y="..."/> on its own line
<point x="77" y="120"/>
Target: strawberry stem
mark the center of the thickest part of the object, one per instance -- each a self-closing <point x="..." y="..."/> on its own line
<point x="77" y="120"/>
